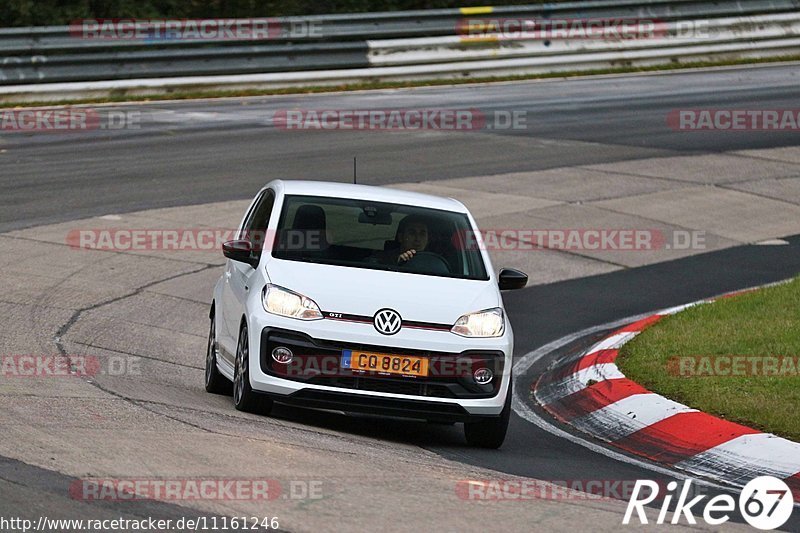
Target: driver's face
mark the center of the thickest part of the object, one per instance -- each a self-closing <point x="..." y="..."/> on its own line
<point x="414" y="237"/>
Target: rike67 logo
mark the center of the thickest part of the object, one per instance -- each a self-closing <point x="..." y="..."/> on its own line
<point x="765" y="503"/>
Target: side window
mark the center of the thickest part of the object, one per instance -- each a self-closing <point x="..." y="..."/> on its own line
<point x="255" y="227"/>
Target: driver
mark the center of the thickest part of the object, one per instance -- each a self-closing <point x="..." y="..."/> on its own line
<point x="412" y="237"/>
<point x="412" y="234"/>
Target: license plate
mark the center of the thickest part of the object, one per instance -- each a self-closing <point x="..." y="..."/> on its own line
<point x="382" y="363"/>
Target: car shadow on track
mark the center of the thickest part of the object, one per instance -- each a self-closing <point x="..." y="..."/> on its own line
<point x="398" y="430"/>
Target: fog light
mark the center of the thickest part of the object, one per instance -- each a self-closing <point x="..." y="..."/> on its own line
<point x="282" y="355"/>
<point x="483" y="376"/>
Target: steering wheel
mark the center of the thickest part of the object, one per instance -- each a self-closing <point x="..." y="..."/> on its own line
<point x="427" y="263"/>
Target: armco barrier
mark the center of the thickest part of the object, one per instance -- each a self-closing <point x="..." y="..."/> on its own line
<point x="50" y="63"/>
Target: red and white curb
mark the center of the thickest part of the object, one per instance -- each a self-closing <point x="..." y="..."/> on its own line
<point x="591" y="394"/>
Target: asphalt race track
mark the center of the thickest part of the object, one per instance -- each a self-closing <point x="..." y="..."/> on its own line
<point x="175" y="158"/>
<point x="199" y="152"/>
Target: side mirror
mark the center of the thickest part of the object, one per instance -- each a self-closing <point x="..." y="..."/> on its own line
<point x="510" y="279"/>
<point x="240" y="250"/>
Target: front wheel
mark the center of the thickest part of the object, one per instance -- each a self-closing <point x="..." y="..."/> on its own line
<point x="244" y="399"/>
<point x="215" y="382"/>
<point x="491" y="432"/>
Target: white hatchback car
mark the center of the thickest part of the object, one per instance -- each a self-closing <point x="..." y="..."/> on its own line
<point x="363" y="299"/>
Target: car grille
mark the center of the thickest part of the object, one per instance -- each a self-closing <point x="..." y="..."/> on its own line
<point x="326" y="355"/>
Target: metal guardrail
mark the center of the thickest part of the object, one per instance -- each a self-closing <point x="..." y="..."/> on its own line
<point x="358" y="46"/>
<point x="751" y="29"/>
<point x="423" y="22"/>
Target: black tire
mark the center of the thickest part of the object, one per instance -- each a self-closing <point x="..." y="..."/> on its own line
<point x="244" y="399"/>
<point x="490" y="432"/>
<point x="216" y="383"/>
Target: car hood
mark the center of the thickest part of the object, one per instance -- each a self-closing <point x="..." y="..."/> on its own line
<point x="361" y="291"/>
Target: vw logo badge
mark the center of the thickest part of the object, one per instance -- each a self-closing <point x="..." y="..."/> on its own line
<point x="387" y="321"/>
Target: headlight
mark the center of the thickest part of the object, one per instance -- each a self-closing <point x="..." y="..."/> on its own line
<point x="486" y="323"/>
<point x="284" y="302"/>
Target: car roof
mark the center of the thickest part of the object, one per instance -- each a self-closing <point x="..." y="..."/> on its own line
<point x="366" y="192"/>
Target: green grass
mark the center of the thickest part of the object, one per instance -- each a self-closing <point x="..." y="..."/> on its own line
<point x="762" y="323"/>
<point x="188" y="93"/>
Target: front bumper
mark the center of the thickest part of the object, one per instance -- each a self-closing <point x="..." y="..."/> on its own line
<point x="377" y="405"/>
<point x="447" y="396"/>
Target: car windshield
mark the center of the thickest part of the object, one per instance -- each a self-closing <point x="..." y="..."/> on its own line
<point x="378" y="236"/>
